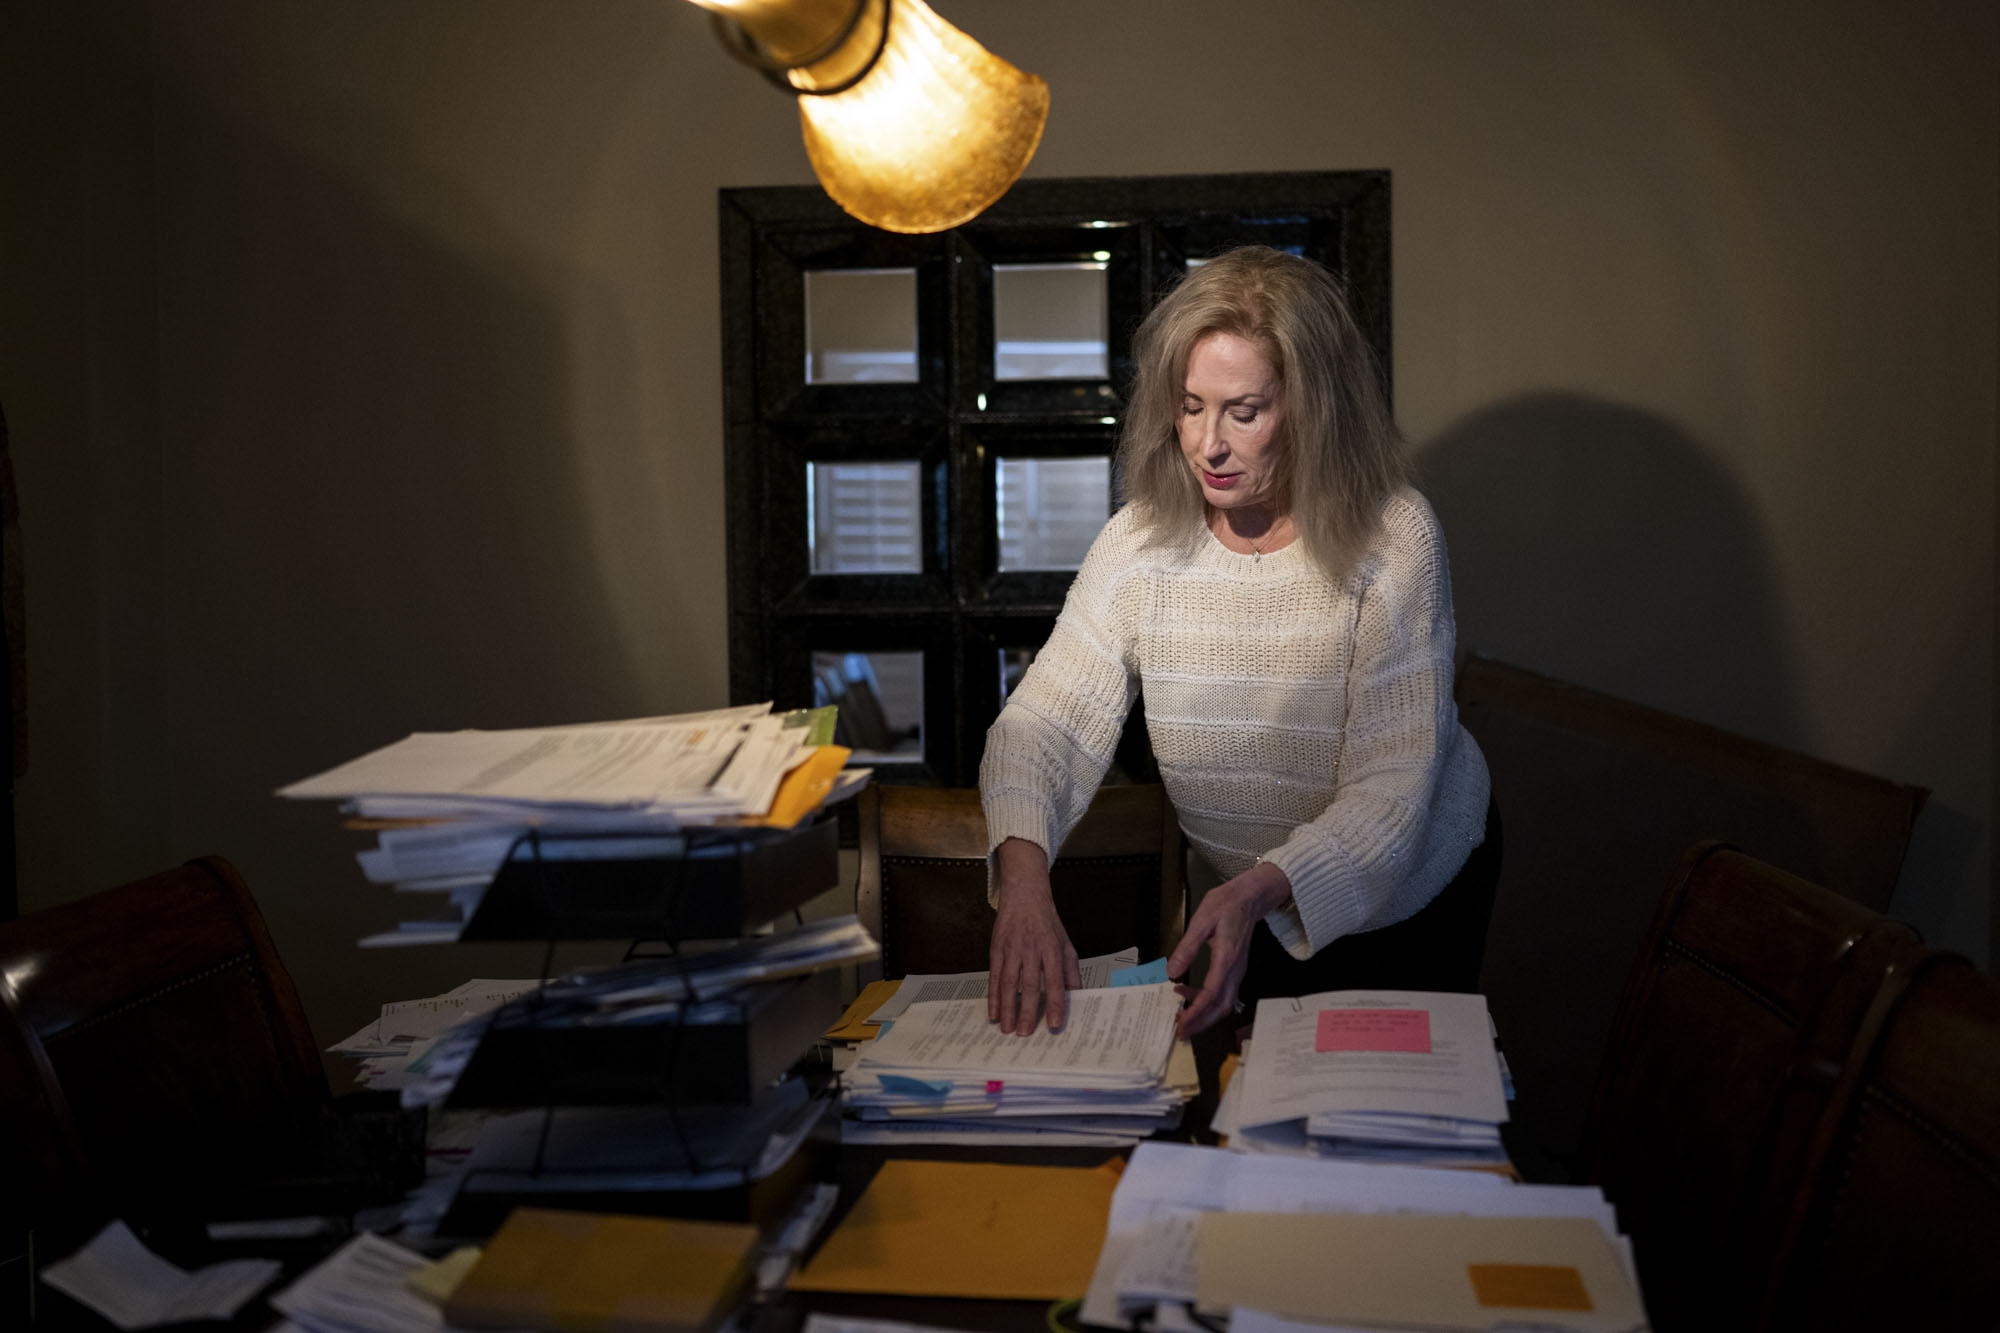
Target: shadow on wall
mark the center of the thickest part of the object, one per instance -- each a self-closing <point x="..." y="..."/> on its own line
<point x="1598" y="544"/>
<point x="375" y="524"/>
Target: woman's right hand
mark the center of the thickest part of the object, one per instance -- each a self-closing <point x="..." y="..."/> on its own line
<point x="1031" y="964"/>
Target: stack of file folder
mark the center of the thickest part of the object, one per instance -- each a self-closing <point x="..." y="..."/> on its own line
<point x="456" y="812"/>
<point x="942" y="1073"/>
<point x="1283" y="1246"/>
<point x="1393" y="1076"/>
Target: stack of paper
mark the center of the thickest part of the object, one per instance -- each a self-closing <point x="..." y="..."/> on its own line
<point x="1408" y="1076"/>
<point x="943" y="1073"/>
<point x="450" y="808"/>
<point x="1284" y="1245"/>
<point x="1097" y="973"/>
<point x="392" y="1048"/>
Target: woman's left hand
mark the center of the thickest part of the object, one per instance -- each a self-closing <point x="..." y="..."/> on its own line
<point x="1223" y="922"/>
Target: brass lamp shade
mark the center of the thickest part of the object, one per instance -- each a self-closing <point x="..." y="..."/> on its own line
<point x="914" y="130"/>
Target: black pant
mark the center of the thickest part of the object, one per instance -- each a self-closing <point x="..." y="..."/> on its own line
<point x="1440" y="948"/>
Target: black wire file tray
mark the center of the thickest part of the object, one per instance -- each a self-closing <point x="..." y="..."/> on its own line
<point x="715" y="1051"/>
<point x="699" y="884"/>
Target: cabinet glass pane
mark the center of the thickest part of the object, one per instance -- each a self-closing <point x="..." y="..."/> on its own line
<point x="864" y="518"/>
<point x="1049" y="510"/>
<point x="1197" y="261"/>
<point x="881" y="700"/>
<point x="1013" y="665"/>
<point x="861" y="326"/>
<point x="1049" y="321"/>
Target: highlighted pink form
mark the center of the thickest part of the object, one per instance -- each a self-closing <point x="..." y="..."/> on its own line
<point x="1402" y="1030"/>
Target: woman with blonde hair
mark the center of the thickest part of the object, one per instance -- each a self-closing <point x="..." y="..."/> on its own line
<point x="1282" y="597"/>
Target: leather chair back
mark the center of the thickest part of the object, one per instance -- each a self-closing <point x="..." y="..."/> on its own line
<point x="154" y="1051"/>
<point x="1900" y="1227"/>
<point x="1737" y="1019"/>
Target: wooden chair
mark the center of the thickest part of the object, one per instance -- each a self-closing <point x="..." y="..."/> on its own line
<point x="1746" y="1026"/>
<point x="1119" y="880"/>
<point x="153" y="1055"/>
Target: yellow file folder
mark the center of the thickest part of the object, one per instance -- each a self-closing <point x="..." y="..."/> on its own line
<point x="977" y="1229"/>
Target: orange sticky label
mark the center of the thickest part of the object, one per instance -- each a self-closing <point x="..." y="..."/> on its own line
<point x="1529" y="1286"/>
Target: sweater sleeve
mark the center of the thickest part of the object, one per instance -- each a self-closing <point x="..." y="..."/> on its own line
<point x="1356" y="866"/>
<point x="1048" y="749"/>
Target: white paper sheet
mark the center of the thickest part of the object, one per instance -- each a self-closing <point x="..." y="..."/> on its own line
<point x="361" y="1287"/>
<point x="403" y="1023"/>
<point x="117" y="1276"/>
<point x="1116" y="1037"/>
<point x="653" y="761"/>
<point x="972" y="985"/>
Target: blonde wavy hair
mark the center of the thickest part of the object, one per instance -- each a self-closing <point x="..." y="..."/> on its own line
<point x="1341" y="456"/>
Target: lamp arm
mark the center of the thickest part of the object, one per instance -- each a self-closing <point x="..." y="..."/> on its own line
<point x="740" y="43"/>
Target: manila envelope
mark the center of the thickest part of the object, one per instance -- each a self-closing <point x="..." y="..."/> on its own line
<point x="978" y="1229"/>
<point x="854" y="1024"/>
<point x="1402" y="1270"/>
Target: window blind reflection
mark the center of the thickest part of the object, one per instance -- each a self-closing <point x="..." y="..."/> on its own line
<point x="1049" y="510"/>
<point x="865" y="518"/>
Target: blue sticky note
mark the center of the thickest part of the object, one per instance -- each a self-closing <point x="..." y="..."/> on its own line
<point x="914" y="1087"/>
<point x="1145" y="974"/>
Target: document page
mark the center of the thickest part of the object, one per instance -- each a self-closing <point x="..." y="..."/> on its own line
<point x="404" y="1023"/>
<point x="117" y="1276"/>
<point x="362" y="1285"/>
<point x="1415" y="1052"/>
<point x="972" y="985"/>
<point x="600" y="762"/>
<point x="1112" y="1037"/>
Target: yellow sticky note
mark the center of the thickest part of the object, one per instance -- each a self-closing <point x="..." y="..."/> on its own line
<point x="976" y="1229"/>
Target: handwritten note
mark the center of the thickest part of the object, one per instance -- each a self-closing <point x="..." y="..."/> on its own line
<point x="1404" y="1030"/>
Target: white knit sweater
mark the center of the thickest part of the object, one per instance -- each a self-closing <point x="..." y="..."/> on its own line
<point x="1294" y="721"/>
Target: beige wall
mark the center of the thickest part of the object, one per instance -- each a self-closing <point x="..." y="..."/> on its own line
<point x="362" y="365"/>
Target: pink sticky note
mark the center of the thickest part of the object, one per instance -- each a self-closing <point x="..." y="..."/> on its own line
<point x="994" y="1085"/>
<point x="1374" y="1030"/>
